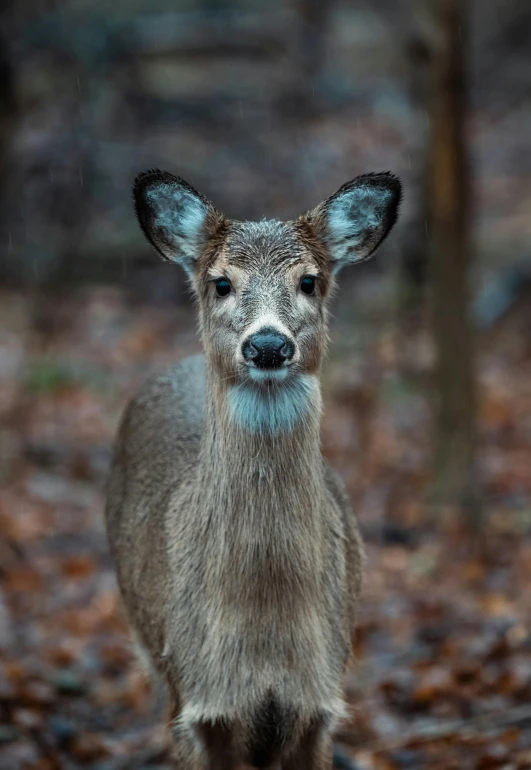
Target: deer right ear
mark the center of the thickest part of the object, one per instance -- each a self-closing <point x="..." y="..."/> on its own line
<point x="175" y="218"/>
<point x="353" y="222"/>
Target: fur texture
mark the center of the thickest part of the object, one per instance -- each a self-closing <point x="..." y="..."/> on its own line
<point x="275" y="408"/>
<point x="237" y="553"/>
<point x="354" y="221"/>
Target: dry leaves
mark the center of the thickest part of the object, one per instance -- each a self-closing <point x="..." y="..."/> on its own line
<point x="443" y="675"/>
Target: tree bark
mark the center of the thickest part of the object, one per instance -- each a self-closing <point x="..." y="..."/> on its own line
<point x="455" y="479"/>
<point x="8" y="113"/>
<point x="414" y="258"/>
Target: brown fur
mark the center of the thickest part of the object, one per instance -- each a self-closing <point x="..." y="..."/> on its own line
<point x="237" y="553"/>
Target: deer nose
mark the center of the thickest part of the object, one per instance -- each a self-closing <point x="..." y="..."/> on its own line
<point x="268" y="349"/>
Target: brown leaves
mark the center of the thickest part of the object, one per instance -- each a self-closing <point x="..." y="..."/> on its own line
<point x="443" y="672"/>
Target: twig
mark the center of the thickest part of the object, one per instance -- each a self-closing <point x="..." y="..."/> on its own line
<point x="437" y="730"/>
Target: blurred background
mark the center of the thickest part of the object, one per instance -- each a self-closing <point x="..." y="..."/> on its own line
<point x="267" y="108"/>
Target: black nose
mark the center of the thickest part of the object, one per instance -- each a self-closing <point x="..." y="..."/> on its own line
<point x="268" y="349"/>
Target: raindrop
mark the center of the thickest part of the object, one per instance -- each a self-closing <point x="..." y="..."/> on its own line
<point x="241" y="109"/>
<point x="51" y="175"/>
<point x="80" y="176"/>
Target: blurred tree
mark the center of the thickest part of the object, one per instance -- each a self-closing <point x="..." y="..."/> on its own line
<point x="8" y="113"/>
<point x="314" y="20"/>
<point x="302" y="98"/>
<point x="414" y="251"/>
<point x="455" y="479"/>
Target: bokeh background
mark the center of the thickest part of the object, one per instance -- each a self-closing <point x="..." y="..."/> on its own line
<point x="267" y="108"/>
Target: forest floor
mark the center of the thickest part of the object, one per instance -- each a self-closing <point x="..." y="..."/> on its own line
<point x="443" y="674"/>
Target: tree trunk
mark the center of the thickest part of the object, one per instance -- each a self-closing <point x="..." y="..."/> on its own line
<point x="302" y="98"/>
<point x="414" y="257"/>
<point x="455" y="480"/>
<point x="8" y="114"/>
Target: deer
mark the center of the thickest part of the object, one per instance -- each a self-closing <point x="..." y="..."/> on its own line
<point x="238" y="557"/>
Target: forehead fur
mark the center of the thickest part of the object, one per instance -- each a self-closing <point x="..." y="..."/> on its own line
<point x="266" y="244"/>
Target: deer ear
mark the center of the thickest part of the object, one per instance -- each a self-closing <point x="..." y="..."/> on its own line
<point x="353" y="222"/>
<point x="175" y="218"/>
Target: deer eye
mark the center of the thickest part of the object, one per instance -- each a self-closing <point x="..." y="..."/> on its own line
<point x="223" y="287"/>
<point x="308" y="284"/>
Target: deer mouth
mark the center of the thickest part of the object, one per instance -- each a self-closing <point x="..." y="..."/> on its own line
<point x="267" y="377"/>
<point x="270" y="406"/>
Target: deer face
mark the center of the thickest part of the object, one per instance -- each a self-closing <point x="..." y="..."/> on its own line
<point x="262" y="300"/>
<point x="263" y="287"/>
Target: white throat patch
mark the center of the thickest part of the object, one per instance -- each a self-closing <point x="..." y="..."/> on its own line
<point x="275" y="409"/>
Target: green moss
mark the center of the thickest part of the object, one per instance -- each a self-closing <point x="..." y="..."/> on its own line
<point x="49" y="375"/>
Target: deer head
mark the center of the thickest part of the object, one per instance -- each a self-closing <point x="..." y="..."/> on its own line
<point x="263" y="287"/>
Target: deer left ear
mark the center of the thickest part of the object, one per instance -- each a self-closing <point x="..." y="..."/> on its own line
<point x="353" y="222"/>
<point x="176" y="219"/>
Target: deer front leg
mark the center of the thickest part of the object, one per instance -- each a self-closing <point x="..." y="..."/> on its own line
<point x="217" y="740"/>
<point x="185" y="755"/>
<point x="314" y="752"/>
<point x="185" y="752"/>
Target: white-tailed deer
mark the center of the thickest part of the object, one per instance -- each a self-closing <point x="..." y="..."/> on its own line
<point x="238" y="556"/>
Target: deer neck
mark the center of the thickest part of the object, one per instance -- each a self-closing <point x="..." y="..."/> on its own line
<point x="257" y="464"/>
<point x="262" y="493"/>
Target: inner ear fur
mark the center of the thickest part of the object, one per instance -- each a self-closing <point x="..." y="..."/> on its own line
<point x="175" y="218"/>
<point x="354" y="221"/>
